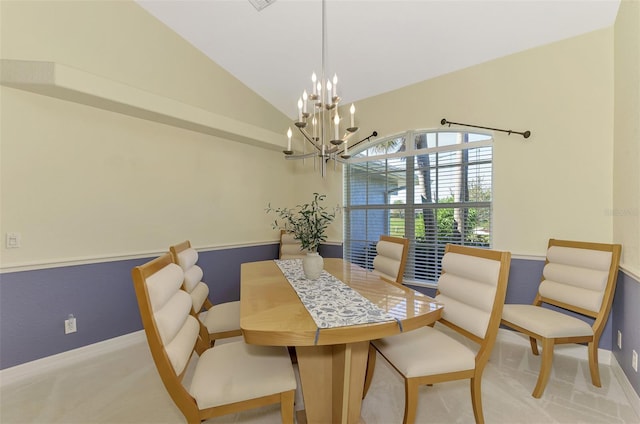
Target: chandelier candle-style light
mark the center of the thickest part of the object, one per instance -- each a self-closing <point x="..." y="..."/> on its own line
<point x="318" y="117"/>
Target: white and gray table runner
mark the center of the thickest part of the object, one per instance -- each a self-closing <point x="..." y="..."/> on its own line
<point x="330" y="302"/>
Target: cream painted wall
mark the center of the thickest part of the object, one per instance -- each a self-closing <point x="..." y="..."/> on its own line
<point x="626" y="177"/>
<point x="119" y="40"/>
<point x="558" y="183"/>
<point x="79" y="182"/>
<point x="83" y="183"/>
<point x="308" y="180"/>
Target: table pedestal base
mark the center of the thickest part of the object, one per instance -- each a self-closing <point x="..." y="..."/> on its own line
<point x="340" y="368"/>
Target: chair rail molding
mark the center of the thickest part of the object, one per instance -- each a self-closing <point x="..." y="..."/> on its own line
<point x="66" y="83"/>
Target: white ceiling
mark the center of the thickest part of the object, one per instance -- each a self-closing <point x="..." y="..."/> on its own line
<point x="374" y="46"/>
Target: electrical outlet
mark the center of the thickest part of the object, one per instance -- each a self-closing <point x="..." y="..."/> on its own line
<point x="70" y="324"/>
<point x="634" y="360"/>
<point x="619" y="339"/>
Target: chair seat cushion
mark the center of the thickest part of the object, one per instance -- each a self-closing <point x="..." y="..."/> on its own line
<point x="222" y="317"/>
<point x="233" y="372"/>
<point x="545" y="322"/>
<point x="426" y="351"/>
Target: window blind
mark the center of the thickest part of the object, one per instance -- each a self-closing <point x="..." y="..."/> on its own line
<point x="433" y="188"/>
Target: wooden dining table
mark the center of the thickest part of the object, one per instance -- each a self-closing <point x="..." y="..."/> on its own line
<point x="331" y="361"/>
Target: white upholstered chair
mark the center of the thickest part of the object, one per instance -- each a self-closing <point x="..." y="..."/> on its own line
<point x="290" y="248"/>
<point x="578" y="277"/>
<point x="227" y="378"/>
<point x="391" y="257"/>
<point x="219" y="321"/>
<point x="472" y="288"/>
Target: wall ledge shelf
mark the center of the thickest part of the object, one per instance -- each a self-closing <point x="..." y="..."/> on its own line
<point x="66" y="83"/>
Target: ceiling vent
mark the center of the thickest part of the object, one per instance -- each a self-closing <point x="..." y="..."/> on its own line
<point x="261" y="4"/>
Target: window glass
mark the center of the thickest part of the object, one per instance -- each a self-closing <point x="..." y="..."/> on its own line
<point x="440" y="192"/>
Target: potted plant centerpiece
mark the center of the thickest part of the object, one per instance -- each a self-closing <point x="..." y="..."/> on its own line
<point x="308" y="223"/>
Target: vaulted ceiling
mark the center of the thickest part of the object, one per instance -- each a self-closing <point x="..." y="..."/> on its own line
<point x="374" y="46"/>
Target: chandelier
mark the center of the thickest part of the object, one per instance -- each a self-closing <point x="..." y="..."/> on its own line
<point x="319" y="120"/>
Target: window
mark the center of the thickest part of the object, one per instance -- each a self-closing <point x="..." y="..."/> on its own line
<point x="433" y="188"/>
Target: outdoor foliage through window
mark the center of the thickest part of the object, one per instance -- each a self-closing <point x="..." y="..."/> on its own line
<point x="433" y="188"/>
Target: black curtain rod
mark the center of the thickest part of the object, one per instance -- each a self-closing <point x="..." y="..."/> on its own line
<point x="373" y="134"/>
<point x="525" y="134"/>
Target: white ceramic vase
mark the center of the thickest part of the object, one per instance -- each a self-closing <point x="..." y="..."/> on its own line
<point x="312" y="265"/>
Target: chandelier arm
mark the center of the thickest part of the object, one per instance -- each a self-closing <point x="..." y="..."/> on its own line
<point x="309" y="139"/>
<point x="301" y="156"/>
<point x="347" y="135"/>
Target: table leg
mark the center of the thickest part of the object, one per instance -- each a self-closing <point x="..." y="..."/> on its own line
<point x="332" y="381"/>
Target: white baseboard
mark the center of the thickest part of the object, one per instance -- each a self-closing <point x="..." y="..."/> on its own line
<point x="634" y="398"/>
<point x="60" y="360"/>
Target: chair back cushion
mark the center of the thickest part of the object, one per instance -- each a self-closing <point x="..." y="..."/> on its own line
<point x="290" y="248"/>
<point x="187" y="258"/>
<point x="576" y="276"/>
<point x="193" y="274"/>
<point x="170" y="307"/>
<point x="388" y="259"/>
<point x="467" y="287"/>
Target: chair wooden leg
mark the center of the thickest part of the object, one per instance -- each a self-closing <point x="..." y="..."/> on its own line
<point x="410" y="401"/>
<point x="545" y="367"/>
<point x="476" y="399"/>
<point x="371" y="365"/>
<point x="534" y="346"/>
<point x="192" y="416"/>
<point x="287" y="407"/>
<point x="593" y="363"/>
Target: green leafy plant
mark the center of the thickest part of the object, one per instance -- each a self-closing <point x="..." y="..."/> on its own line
<point x="307" y="222"/>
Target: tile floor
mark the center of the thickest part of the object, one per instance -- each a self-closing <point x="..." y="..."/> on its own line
<point x="124" y="387"/>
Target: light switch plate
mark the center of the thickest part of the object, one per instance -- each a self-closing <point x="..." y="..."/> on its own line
<point x="13" y="240"/>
